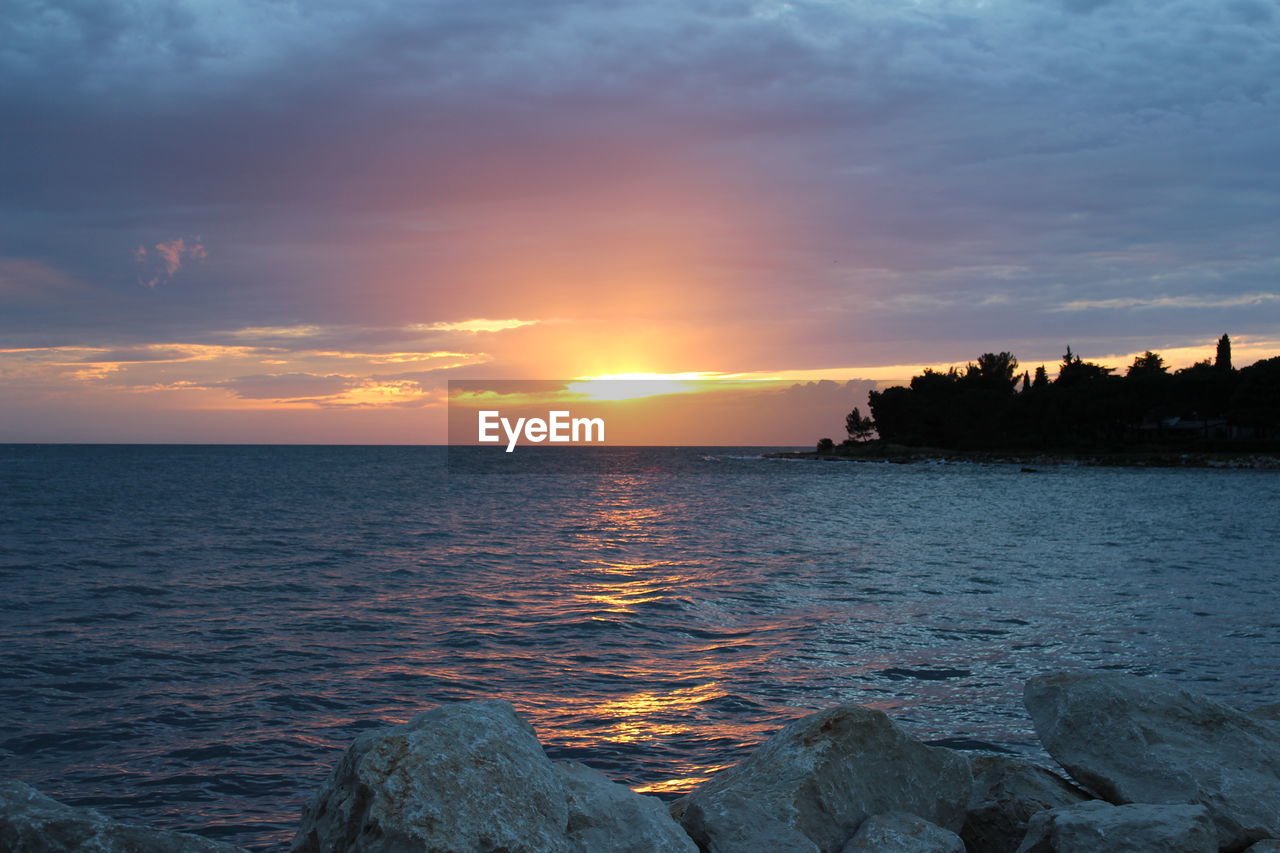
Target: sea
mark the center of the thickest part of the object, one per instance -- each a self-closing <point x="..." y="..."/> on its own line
<point x="192" y="635"/>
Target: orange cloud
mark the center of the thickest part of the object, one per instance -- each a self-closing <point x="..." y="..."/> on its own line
<point x="165" y="259"/>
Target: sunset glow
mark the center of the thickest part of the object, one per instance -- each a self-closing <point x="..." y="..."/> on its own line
<point x="435" y="425"/>
<point x="632" y="386"/>
<point x="719" y="214"/>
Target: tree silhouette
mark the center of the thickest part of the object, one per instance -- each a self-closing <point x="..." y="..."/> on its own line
<point x="858" y="427"/>
<point x="1084" y="408"/>
<point x="1073" y="370"/>
<point x="1223" y="360"/>
<point x="1256" y="401"/>
<point x="1147" y="364"/>
<point x="997" y="371"/>
<point x="1203" y="392"/>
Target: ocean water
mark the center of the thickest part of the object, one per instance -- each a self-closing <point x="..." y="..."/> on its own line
<point x="192" y="635"/>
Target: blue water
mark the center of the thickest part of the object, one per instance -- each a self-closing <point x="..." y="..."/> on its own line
<point x="191" y="635"/>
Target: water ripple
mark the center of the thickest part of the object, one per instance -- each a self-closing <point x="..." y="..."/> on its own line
<point x="192" y="635"/>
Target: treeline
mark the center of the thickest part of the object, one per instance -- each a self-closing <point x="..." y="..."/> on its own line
<point x="990" y="404"/>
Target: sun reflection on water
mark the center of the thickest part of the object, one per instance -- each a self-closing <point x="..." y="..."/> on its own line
<point x="625" y="586"/>
<point x="680" y="784"/>
<point x="639" y="716"/>
<point x="626" y="570"/>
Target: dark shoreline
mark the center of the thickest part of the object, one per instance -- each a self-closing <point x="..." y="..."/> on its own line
<point x="1137" y="458"/>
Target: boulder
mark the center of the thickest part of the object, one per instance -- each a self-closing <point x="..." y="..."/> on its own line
<point x="810" y="786"/>
<point x="1098" y="827"/>
<point x="1270" y="713"/>
<point x="464" y="777"/>
<point x="1269" y="845"/>
<point x="473" y="777"/>
<point x="611" y="818"/>
<point x="900" y="832"/>
<point x="1006" y="793"/>
<point x="730" y="822"/>
<point x="30" y="822"/>
<point x="1144" y="740"/>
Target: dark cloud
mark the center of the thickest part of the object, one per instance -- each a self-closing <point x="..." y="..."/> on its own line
<point x="1083" y="6"/>
<point x="1251" y="12"/>
<point x="943" y="171"/>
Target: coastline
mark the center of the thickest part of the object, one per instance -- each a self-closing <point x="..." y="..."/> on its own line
<point x="896" y="454"/>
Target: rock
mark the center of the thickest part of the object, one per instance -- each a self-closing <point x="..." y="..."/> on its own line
<point x="1098" y="827"/>
<point x="1269" y="845"/>
<point x="30" y="822"/>
<point x="1006" y="793"/>
<point x="464" y="777"/>
<point x="611" y="818"/>
<point x="1270" y="713"/>
<point x="473" y="777"/>
<point x="810" y="786"/>
<point x="900" y="832"/>
<point x="730" y="822"/>
<point x="1144" y="740"/>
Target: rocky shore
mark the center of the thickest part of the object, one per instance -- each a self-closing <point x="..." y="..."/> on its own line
<point x="1149" y="767"/>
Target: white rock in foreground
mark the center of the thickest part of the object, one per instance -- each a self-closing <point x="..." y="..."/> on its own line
<point x="1144" y="740"/>
<point x="810" y="786"/>
<point x="472" y="778"/>
<point x="30" y="822"/>
<point x="1098" y="827"/>
<point x="1006" y="793"/>
<point x="900" y="832"/>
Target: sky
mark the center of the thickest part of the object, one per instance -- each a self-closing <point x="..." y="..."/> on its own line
<point x="296" y="221"/>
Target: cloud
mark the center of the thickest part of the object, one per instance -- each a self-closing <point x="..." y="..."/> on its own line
<point x="297" y="331"/>
<point x="416" y="358"/>
<point x="725" y="185"/>
<point x="288" y="386"/>
<point x="373" y="340"/>
<point x="474" y="326"/>
<point x="1171" y="302"/>
<point x="228" y="377"/>
<point x="165" y="259"/>
<point x="1083" y="6"/>
<point x="141" y="354"/>
<point x="25" y="282"/>
<point x="329" y="391"/>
